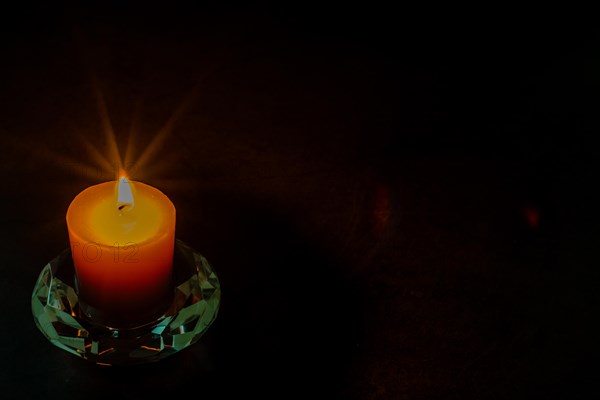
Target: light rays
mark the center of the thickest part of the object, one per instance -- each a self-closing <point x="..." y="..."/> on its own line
<point x="111" y="140"/>
<point x="78" y="154"/>
<point x="152" y="160"/>
<point x="66" y="163"/>
<point x="95" y="155"/>
<point x="157" y="143"/>
<point x="133" y="130"/>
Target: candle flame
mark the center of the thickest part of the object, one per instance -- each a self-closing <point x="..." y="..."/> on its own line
<point x="124" y="195"/>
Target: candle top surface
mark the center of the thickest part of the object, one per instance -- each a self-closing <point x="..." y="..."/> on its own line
<point x="98" y="214"/>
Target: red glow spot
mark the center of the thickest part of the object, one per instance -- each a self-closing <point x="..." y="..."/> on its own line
<point x="382" y="209"/>
<point x="533" y="216"/>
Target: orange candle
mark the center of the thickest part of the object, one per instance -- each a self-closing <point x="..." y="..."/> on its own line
<point x="122" y="238"/>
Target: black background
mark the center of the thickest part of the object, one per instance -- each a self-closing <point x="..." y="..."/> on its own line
<point x="364" y="179"/>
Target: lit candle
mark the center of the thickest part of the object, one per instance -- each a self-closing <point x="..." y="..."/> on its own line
<point x="122" y="238"/>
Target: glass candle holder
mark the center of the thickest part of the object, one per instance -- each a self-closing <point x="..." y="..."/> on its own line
<point x="60" y="316"/>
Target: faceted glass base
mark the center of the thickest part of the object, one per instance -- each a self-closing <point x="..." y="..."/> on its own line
<point x="58" y="315"/>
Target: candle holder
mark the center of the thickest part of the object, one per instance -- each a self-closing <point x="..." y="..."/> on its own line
<point x="58" y="313"/>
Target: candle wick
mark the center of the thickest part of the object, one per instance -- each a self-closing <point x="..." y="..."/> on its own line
<point x="124" y="207"/>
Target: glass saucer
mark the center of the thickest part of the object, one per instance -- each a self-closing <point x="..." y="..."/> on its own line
<point x="58" y="314"/>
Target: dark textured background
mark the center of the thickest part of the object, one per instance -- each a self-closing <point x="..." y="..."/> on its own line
<point x="364" y="181"/>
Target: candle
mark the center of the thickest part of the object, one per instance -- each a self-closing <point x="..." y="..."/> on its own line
<point x="122" y="238"/>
